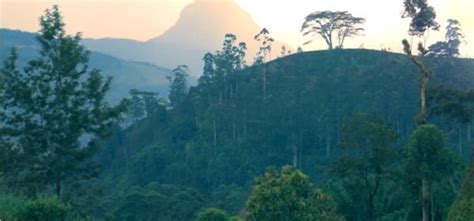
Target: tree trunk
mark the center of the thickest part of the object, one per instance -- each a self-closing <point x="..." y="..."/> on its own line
<point x="215" y="130"/>
<point x="425" y="200"/>
<point x="58" y="185"/>
<point x="468" y="132"/>
<point x="264" y="83"/>
<point x="295" y="156"/>
<point x="421" y="119"/>
<point x="460" y="141"/>
<point x="233" y="122"/>
<point x="371" y="208"/>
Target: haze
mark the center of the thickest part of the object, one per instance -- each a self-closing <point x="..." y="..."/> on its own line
<point x="145" y="19"/>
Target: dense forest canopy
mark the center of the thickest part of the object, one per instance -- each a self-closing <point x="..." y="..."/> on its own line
<point x="338" y="134"/>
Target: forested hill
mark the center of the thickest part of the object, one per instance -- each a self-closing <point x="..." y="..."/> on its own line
<point x="210" y="146"/>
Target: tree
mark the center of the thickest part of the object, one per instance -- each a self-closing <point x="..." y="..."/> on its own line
<point x="265" y="49"/>
<point x="288" y="195"/>
<point x="50" y="107"/>
<point x="143" y="104"/>
<point x="458" y="105"/>
<point x="425" y="161"/>
<point x="368" y="159"/>
<point x="178" y="85"/>
<point x="453" y="38"/>
<point x="330" y="25"/>
<point x="423" y="17"/>
<point x="422" y="21"/>
<point x="212" y="214"/>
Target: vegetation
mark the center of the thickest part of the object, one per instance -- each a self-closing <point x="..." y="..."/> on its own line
<point x="221" y="150"/>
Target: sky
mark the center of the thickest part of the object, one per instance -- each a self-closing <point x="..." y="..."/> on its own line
<point x="145" y="19"/>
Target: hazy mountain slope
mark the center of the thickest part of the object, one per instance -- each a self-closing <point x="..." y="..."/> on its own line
<point x="200" y="29"/>
<point x="127" y="74"/>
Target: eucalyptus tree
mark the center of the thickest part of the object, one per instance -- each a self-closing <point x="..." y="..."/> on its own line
<point x="332" y="26"/>
<point x="263" y="37"/>
<point x="423" y="19"/>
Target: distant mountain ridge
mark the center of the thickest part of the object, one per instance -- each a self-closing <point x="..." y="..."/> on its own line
<point x="127" y="74"/>
<point x="200" y="29"/>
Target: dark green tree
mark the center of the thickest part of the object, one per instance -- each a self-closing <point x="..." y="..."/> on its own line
<point x="331" y="25"/>
<point x="368" y="160"/>
<point x="50" y="107"/>
<point x="212" y="214"/>
<point x="178" y="85"/>
<point x="426" y="161"/>
<point x="288" y="195"/>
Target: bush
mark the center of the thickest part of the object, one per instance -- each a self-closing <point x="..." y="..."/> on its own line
<point x="11" y="206"/>
<point x="212" y="214"/>
<point x="462" y="211"/>
<point x="44" y="209"/>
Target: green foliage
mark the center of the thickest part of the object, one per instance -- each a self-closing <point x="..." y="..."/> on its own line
<point x="288" y="195"/>
<point x="426" y="162"/>
<point x="309" y="97"/>
<point x="178" y="85"/>
<point x="56" y="102"/>
<point x="11" y="206"/>
<point x="235" y="218"/>
<point x="463" y="207"/>
<point x="426" y="157"/>
<point x="44" y="209"/>
<point x="212" y="214"/>
<point x="462" y="210"/>
<point x="367" y="162"/>
<point x="159" y="202"/>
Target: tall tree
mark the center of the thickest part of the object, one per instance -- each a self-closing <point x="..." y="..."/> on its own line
<point x="330" y="25"/>
<point x="265" y="50"/>
<point x="425" y="161"/>
<point x="453" y="39"/>
<point x="368" y="159"/>
<point x="178" y="85"/>
<point x="423" y="19"/>
<point x="51" y="106"/>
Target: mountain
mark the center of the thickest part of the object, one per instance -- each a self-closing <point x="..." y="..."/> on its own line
<point x="217" y="146"/>
<point x="127" y="74"/>
<point x="200" y="29"/>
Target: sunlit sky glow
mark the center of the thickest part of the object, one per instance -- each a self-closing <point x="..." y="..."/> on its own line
<point x="145" y="19"/>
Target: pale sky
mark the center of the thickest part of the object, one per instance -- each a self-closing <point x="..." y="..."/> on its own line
<point x="145" y="19"/>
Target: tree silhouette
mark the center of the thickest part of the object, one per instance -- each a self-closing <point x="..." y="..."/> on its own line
<point x="330" y="25"/>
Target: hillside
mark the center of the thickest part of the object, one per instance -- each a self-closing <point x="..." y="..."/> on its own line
<point x="216" y="148"/>
<point x="127" y="74"/>
<point x="208" y="21"/>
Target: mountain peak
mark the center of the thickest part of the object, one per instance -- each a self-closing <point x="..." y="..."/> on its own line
<point x="203" y="24"/>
